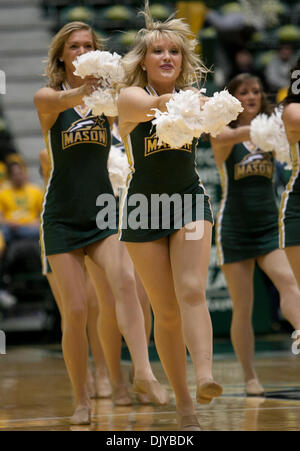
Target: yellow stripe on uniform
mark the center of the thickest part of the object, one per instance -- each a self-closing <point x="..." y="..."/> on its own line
<point x="286" y="194"/>
<point x="129" y="153"/>
<point x="224" y="184"/>
<point x="43" y="250"/>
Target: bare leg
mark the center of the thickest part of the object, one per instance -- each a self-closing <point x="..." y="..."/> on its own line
<point x="152" y="263"/>
<point x="69" y="276"/>
<point x="112" y="256"/>
<point x="276" y="266"/>
<point x="293" y="254"/>
<point x="190" y="261"/>
<point x="239" y="277"/>
<point x="101" y="381"/>
<point x="146" y="306"/>
<point x="109" y="333"/>
<point x="57" y="297"/>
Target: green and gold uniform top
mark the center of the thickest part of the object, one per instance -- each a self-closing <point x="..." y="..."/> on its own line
<point x="78" y="148"/>
<point x="247" y="224"/>
<point x="289" y="218"/>
<point x="158" y="169"/>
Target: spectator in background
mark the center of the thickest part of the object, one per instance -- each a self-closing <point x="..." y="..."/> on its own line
<point x="277" y="72"/>
<point x="243" y="63"/>
<point x="20" y="206"/>
<point x="233" y="31"/>
<point x="11" y="156"/>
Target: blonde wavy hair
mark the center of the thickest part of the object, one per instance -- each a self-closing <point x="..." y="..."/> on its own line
<point x="177" y="31"/>
<point x="55" y="69"/>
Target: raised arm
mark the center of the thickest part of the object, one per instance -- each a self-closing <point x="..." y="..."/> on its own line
<point x="291" y="119"/>
<point x="223" y="143"/>
<point x="50" y="102"/>
<point x="135" y="106"/>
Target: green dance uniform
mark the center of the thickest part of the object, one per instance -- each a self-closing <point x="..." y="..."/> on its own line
<point x="163" y="192"/>
<point x="247" y="224"/>
<point x="289" y="218"/>
<point x="78" y="148"/>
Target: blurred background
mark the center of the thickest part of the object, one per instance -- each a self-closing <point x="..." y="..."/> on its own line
<point x="260" y="37"/>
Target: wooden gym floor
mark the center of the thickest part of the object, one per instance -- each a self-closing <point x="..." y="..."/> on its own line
<point x="35" y="396"/>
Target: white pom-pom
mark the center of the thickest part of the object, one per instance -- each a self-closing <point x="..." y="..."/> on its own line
<point x="185" y="120"/>
<point x="218" y="111"/>
<point x="118" y="168"/>
<point x="102" y="101"/>
<point x="268" y="133"/>
<point x="108" y="68"/>
<point x="181" y="123"/>
<point x="98" y="64"/>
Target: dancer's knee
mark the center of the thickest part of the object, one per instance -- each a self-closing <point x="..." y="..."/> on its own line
<point x="124" y="286"/>
<point x="75" y="314"/>
<point x="167" y="319"/>
<point x="192" y="294"/>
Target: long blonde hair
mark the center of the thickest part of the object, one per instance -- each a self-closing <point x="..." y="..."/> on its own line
<point x="55" y="69"/>
<point x="176" y="30"/>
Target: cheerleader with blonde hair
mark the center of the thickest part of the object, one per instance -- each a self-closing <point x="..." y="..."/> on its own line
<point x="172" y="267"/>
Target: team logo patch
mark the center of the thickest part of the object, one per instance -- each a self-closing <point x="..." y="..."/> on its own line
<point x="151" y="146"/>
<point x="88" y="130"/>
<point x="258" y="164"/>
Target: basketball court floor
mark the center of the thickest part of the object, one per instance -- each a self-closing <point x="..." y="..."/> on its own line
<point x="36" y="396"/>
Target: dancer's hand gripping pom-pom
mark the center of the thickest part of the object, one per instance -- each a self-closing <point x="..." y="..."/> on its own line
<point x="268" y="133"/>
<point x="221" y="109"/>
<point x="181" y="123"/>
<point x="107" y="67"/>
<point x="185" y="118"/>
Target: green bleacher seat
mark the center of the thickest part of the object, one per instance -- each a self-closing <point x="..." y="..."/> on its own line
<point x="77" y="13"/>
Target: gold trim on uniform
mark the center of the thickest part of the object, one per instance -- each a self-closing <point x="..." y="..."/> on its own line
<point x="286" y="194"/>
<point x="129" y="153"/>
<point x="43" y="250"/>
<point x="224" y="184"/>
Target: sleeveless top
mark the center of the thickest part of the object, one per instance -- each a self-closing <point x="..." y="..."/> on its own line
<point x="78" y="148"/>
<point x="248" y="217"/>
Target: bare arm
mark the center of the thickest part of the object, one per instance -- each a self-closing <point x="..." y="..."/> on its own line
<point x="291" y="119"/>
<point x="50" y="102"/>
<point x="135" y="106"/>
<point x="223" y="143"/>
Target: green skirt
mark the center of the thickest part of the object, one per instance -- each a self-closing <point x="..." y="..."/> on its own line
<point x="149" y="217"/>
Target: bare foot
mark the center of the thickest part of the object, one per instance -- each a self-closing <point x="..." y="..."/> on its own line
<point x="121" y="396"/>
<point x="141" y="397"/>
<point x="103" y="386"/>
<point x="207" y="389"/>
<point x="156" y="393"/>
<point x="254" y="388"/>
<point x="82" y="415"/>
<point x="188" y="422"/>
<point x="90" y="382"/>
